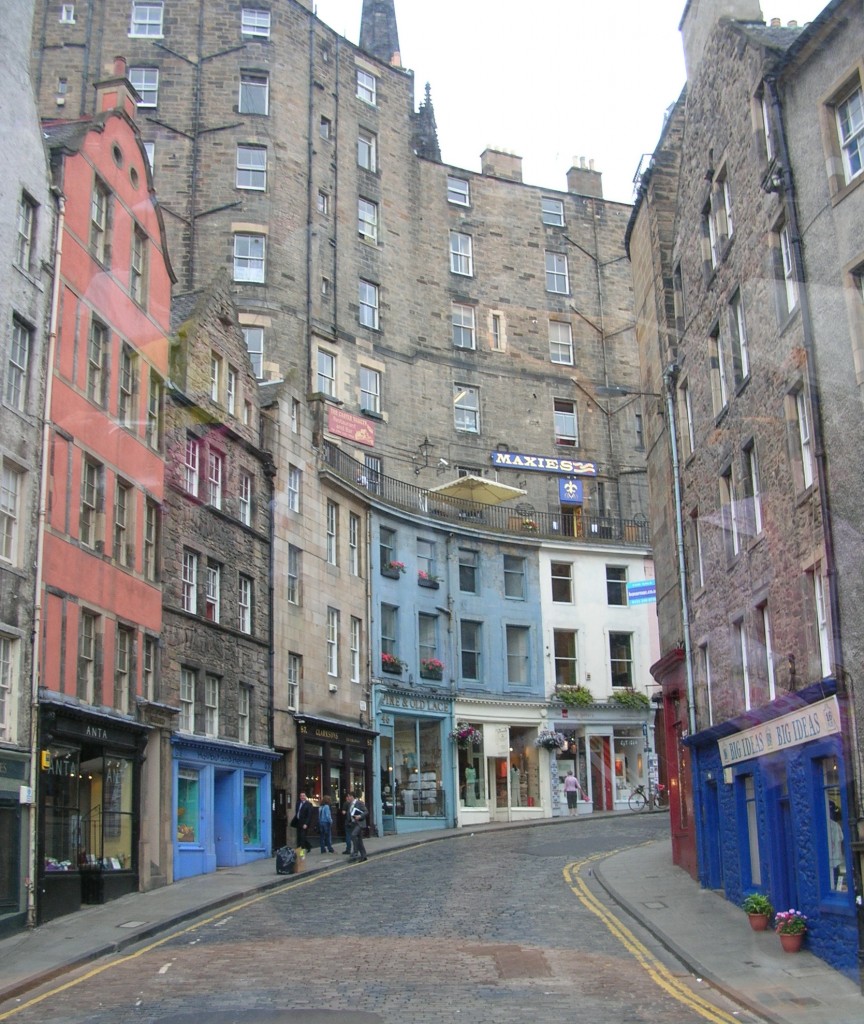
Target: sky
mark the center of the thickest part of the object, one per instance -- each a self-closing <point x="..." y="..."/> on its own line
<point x="592" y="78"/>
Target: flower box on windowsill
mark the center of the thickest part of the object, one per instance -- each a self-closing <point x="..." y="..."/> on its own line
<point x="431" y="673"/>
<point x="391" y="668"/>
<point x="431" y="584"/>
<point x="392" y="574"/>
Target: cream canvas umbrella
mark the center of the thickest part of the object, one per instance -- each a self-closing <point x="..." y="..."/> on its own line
<point x="479" y="489"/>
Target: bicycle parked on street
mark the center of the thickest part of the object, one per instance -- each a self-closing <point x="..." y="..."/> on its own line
<point x="639" y="799"/>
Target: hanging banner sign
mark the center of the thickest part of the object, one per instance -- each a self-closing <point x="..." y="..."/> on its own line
<point x="570" y="492"/>
<point x="346" y="424"/>
<point x="808" y="723"/>
<point x="543" y="464"/>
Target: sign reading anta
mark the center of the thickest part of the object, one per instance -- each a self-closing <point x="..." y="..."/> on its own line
<point x="346" y="424"/>
<point x="808" y="723"/>
<point x="543" y="464"/>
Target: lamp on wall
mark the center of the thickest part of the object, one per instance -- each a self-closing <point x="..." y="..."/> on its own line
<point x="421" y="460"/>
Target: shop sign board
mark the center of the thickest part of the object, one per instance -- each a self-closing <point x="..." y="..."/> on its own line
<point x="809" y="723"/>
<point x="642" y="592"/>
<point x="496" y="740"/>
<point x="544" y="463"/>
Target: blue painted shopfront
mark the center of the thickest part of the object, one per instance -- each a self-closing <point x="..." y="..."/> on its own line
<point x="771" y="800"/>
<point x="222" y="800"/>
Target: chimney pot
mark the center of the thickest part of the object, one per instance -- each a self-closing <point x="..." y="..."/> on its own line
<point x="793" y="24"/>
<point x="776" y="23"/>
<point x="119" y="67"/>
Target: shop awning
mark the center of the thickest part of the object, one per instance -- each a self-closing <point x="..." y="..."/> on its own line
<point x="479" y="489"/>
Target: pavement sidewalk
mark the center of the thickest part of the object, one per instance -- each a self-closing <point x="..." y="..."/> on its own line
<point x="750" y="966"/>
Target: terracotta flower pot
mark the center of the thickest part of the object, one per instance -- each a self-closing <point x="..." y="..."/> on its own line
<point x="791" y="943"/>
<point x="758" y="922"/>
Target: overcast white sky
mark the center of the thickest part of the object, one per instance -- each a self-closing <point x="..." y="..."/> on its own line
<point x="593" y="78"/>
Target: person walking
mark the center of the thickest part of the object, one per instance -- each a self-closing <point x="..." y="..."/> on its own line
<point x="325" y="826"/>
<point x="357" y="817"/>
<point x="301" y="821"/>
<point x="573" y="790"/>
<point x="349" y="799"/>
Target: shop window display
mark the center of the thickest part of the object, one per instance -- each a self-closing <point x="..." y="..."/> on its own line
<point x="417" y="775"/>
<point x="188" y="786"/>
<point x="833" y="825"/>
<point x="251" y="813"/>
<point x="62" y="831"/>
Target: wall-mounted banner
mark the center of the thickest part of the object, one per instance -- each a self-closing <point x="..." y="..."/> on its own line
<point x="642" y="592"/>
<point x="570" y="492"/>
<point x="355" y="428"/>
<point x="543" y="464"/>
<point x="808" y="723"/>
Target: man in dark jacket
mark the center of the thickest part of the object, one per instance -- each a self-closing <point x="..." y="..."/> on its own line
<point x="357" y="816"/>
<point x="301" y="822"/>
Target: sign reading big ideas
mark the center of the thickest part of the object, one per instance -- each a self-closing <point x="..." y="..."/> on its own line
<point x="808" y="723"/>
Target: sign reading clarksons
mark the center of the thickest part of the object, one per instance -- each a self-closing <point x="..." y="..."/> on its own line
<point x="809" y="723"/>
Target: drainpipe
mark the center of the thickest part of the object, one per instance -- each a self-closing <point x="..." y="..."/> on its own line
<point x="32" y="858"/>
<point x="844" y="680"/>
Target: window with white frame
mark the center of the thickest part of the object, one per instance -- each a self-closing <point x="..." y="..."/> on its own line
<point x="189" y="582"/>
<point x="496" y="332"/>
<point x="215" y="475"/>
<point x="231" y="390"/>
<point x="123" y="664"/>
<point x="621" y="659"/>
<point x="146" y="19"/>
<point x="552" y="212"/>
<point x="149" y="668"/>
<point x="470" y="649"/>
<point x="367" y="150"/>
<point x="462" y="323"/>
<point x="124" y="548"/>
<point x="294" y="673"/>
<point x="322" y="202"/>
<point x="8" y="678"/>
<point x="697" y="547"/>
<point x="717" y="369"/>
<point x="566" y="427"/>
<point x="251" y="171"/>
<point x="557" y="277"/>
<point x="710" y="241"/>
<point x="561" y="574"/>
<point x="215" y="377"/>
<point x="389" y="629"/>
<point x="255" y="21"/>
<point x="332" y="533"/>
<point x="686" y="415"/>
<point x="187" y="700"/>
<point x="805" y="442"/>
<point x="743" y="657"/>
<point x="367" y="219"/>
<point x="368" y="304"/>
<point x="849" y="113"/>
<point x="722" y="205"/>
<point x="332" y="642"/>
<point x="765" y="642"/>
<point x="244" y="498"/>
<point x="566" y="673"/>
<point x="150" y="152"/>
<point x="466" y="408"/>
<point x="516" y="639"/>
<point x="244" y="714"/>
<point x="211" y="705"/>
<point x="458" y="191"/>
<point x="88" y="644"/>
<point x="789" y="290"/>
<point x="155" y="412"/>
<point x="293" y="488"/>
<point x="326" y="373"/>
<point x="67" y="14"/>
<point x="752" y="491"/>
<point x="354" y="641"/>
<point x="469" y="571"/>
<point x="26" y="232"/>
<point x="295" y="415"/>
<point x="738" y="334"/>
<point x="461" y="254"/>
<point x="100" y="222"/>
<point x="11" y="479"/>
<point x="427" y="636"/>
<point x="820" y="620"/>
<point x="353" y="543"/>
<point x="213" y="598"/>
<point x="254" y="338"/>
<point x="425" y="558"/>
<point x="254" y="93"/>
<point x="325" y="127"/>
<point x="729" y="514"/>
<point x="560" y="342"/>
<point x="151" y="539"/>
<point x="767" y="127"/>
<point x="192" y="466"/>
<point x="367" y="87"/>
<point x="92" y="482"/>
<point x="244" y="604"/>
<point x="704" y="666"/>
<point x="97" y="360"/>
<point x="370" y="390"/>
<point x="146" y="83"/>
<point x="514" y="577"/>
<point x="249" y="258"/>
<point x="292" y="575"/>
<point x="18" y="365"/>
<point x="138" y="263"/>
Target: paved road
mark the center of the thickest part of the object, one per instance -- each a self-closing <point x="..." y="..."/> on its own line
<point x="489" y="929"/>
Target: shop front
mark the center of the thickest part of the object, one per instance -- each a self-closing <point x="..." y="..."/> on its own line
<point x="221" y="804"/>
<point x="415" y="760"/>
<point x="89" y="808"/>
<point x="14" y="825"/>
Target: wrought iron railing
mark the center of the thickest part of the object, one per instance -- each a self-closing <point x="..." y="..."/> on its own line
<point x="509" y="518"/>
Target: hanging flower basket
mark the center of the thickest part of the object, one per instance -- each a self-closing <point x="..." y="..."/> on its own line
<point x="465" y="735"/>
<point x="552" y="741"/>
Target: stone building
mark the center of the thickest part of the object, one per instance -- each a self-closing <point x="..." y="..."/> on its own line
<point x="746" y="254"/>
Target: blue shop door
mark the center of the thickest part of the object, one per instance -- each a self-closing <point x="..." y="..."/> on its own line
<point x="784" y="866"/>
<point x="223" y="823"/>
<point x="713" y="857"/>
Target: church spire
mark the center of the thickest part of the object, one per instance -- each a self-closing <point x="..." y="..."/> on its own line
<point x="379" y="35"/>
<point x="426" y="131"/>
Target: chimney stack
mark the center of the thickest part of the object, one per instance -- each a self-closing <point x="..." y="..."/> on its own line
<point x="495" y="163"/>
<point x="116" y="92"/>
<point x="583" y="180"/>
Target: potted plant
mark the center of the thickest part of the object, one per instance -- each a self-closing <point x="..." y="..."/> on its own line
<point x="575" y="696"/>
<point x="465" y="735"/>
<point x="425" y="579"/>
<point x="791" y="926"/>
<point x="390" y="663"/>
<point x="758" y="908"/>
<point x="431" y="668"/>
<point x="392" y="569"/>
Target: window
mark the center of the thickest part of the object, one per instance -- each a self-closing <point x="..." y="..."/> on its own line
<point x="820" y="620"/>
<point x="552" y="212"/>
<point x="705" y="670"/>
<point x="100" y="204"/>
<point x="686" y="415"/>
<point x="251" y="167"/>
<point x="461" y="254"/>
<point x="470" y="649"/>
<point x="146" y="83"/>
<point x="639" y="430"/>
<point x="293" y="489"/>
<point x="458" y="191"/>
<point x="10" y="512"/>
<point x="805" y="444"/>
<point x="88" y="643"/>
<point x="697" y="547"/>
<point x="254" y="93"/>
<point x="215" y="377"/>
<point x="427" y="635"/>
<point x="616" y="585"/>
<point x="722" y="203"/>
<point x="743" y="661"/>
<point x="738" y="334"/>
<point x="97" y="357"/>
<point x="469" y="571"/>
<point x="150" y="151"/>
<point x="146" y="19"/>
<point x="366" y="87"/>
<point x="249" y="253"/>
<point x="26" y="232"/>
<point x="560" y="343"/>
<point x="386" y="546"/>
<point x="466" y="408"/>
<point x="151" y="539"/>
<point x="323" y="203"/>
<point x="717" y="367"/>
<point x="244" y="604"/>
<point x="332" y="533"/>
<point x="767" y="130"/>
<point x="187" y="700"/>
<point x="370" y="390"/>
<point x="292" y="576"/>
<point x="562" y="582"/>
<point x="566" y="429"/>
<point x="91" y="503"/>
<point x="254" y="338"/>
<point x="389" y="629"/>
<point x="126" y="386"/>
<point x="828" y="782"/>
<point x="496" y="332"/>
<point x="368" y="299"/>
<point x="514" y="577"/>
<point x="244" y="498"/>
<point x="565" y="657"/>
<point x="557" y="279"/>
<point x="729" y="514"/>
<point x="254" y="21"/>
<point x="294" y="673"/>
<point x="192" y="465"/>
<point x="18" y="367"/>
<point x="67" y="14"/>
<point x="766" y="645"/>
<point x="354" y="640"/>
<point x="189" y="582"/>
<point x="517" y="654"/>
<point x="367" y="220"/>
<point x="231" y="390"/>
<point x="621" y="659"/>
<point x="425" y="558"/>
<point x="295" y="415"/>
<point x="789" y="291"/>
<point x="325" y="127"/>
<point x="751" y="860"/>
<point x="244" y="717"/>
<point x="8" y="675"/>
<point x="372" y="465"/>
<point x="326" y="373"/>
<point x="752" y="495"/>
<point x="123" y="657"/>
<point x="124" y="549"/>
<point x="154" y="412"/>
<point x="213" y="599"/>
<point x="367" y="150"/>
<point x="678" y="297"/>
<point x="215" y="474"/>
<point x="353" y="543"/>
<point x="850" y="130"/>
<point x="462" y="322"/>
<point x="211" y="706"/>
<point x="709" y="236"/>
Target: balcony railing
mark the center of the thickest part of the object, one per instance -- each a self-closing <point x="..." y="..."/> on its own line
<point x="518" y="518"/>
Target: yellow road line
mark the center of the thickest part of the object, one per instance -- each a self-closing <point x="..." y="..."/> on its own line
<point x="656" y="970"/>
